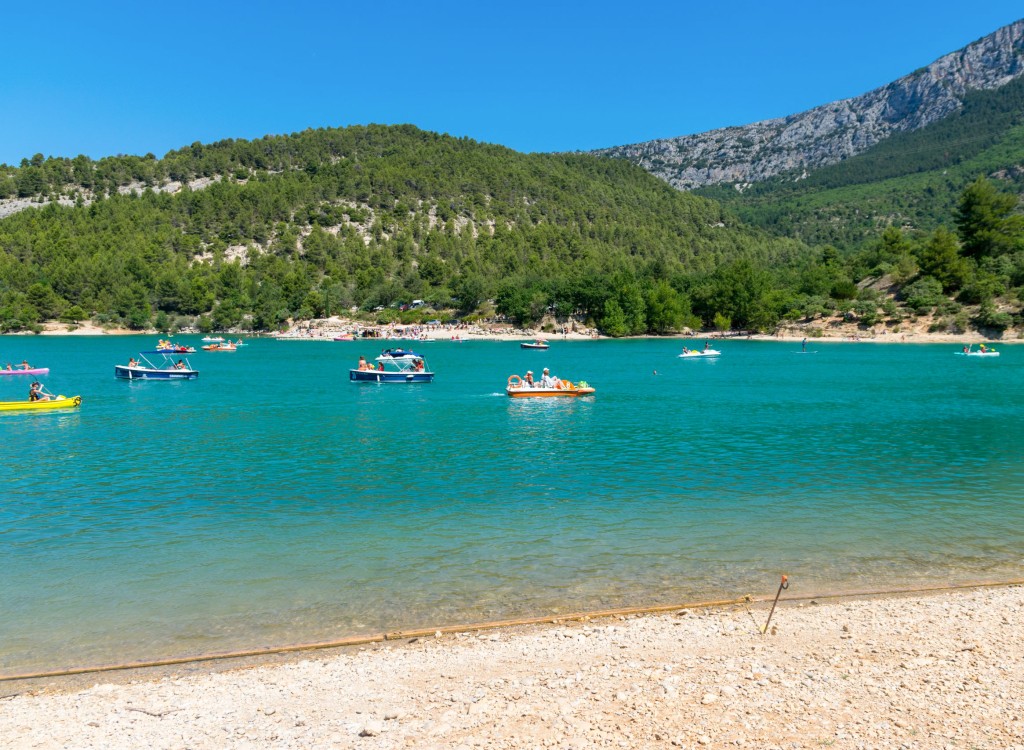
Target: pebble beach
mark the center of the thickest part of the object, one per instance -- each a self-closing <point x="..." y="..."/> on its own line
<point x="929" y="670"/>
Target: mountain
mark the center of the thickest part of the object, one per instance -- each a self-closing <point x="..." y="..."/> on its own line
<point x="911" y="180"/>
<point x="802" y="143"/>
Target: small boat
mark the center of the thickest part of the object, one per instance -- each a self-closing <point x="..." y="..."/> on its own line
<point x="518" y="388"/>
<point x="213" y="339"/>
<point x="982" y="352"/>
<point x="57" y="402"/>
<point x="228" y="347"/>
<point x="344" y="338"/>
<point x="168" y="369"/>
<point x="29" y="371"/>
<point x="166" y="346"/>
<point x="538" y="344"/>
<point x="402" y="354"/>
<point x="403" y="369"/>
<point x="173" y="350"/>
<point x="699" y="353"/>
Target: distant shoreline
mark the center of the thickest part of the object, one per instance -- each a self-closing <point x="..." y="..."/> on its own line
<point x="329" y="329"/>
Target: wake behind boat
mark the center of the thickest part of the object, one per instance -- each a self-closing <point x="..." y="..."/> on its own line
<point x="144" y="369"/>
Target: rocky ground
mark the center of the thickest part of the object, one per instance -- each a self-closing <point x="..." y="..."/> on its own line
<point x="933" y="671"/>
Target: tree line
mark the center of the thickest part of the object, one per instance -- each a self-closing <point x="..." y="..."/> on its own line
<point x="367" y="218"/>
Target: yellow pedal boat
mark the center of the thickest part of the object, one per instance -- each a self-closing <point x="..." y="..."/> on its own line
<point x="517" y="388"/>
<point x="60" y="402"/>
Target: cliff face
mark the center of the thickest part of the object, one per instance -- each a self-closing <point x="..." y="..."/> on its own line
<point x="833" y="132"/>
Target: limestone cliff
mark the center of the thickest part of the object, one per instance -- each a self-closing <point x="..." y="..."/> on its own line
<point x="833" y="132"/>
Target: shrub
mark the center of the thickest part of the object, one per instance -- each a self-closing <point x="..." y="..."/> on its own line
<point x="924" y="294"/>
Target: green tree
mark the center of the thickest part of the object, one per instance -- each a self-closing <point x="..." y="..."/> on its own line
<point x="666" y="309"/>
<point x="940" y="258"/>
<point x="924" y="294"/>
<point x="987" y="222"/>
<point x="613" y="320"/>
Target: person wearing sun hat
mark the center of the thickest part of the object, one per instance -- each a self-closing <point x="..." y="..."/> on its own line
<point x="528" y="379"/>
<point x="547" y="380"/>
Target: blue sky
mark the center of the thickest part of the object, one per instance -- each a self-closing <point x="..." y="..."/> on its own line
<point x="135" y="77"/>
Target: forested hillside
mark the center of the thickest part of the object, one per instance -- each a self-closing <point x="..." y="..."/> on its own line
<point x="322" y="221"/>
<point x="248" y="235"/>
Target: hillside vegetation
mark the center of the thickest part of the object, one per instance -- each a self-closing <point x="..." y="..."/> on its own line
<point x="911" y="180"/>
<point x="362" y="220"/>
<point x="322" y="221"/>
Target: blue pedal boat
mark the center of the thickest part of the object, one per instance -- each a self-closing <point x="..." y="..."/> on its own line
<point x="393" y="366"/>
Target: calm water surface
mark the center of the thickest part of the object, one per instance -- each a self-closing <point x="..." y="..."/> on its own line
<point x="271" y="501"/>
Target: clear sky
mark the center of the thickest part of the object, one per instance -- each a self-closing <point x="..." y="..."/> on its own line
<point x="136" y="76"/>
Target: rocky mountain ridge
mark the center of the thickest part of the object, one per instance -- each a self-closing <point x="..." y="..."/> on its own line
<point x="832" y="132"/>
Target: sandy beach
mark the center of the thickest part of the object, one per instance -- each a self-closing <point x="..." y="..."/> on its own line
<point x="329" y="328"/>
<point x="932" y="670"/>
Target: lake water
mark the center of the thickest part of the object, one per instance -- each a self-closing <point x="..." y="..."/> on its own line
<point x="272" y="501"/>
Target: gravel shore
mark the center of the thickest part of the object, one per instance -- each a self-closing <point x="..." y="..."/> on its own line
<point x="940" y="670"/>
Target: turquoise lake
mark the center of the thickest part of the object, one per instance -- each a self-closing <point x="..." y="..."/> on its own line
<point x="272" y="501"/>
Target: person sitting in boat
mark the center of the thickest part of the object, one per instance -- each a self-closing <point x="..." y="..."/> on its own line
<point x="26" y="366"/>
<point x="966" y="349"/>
<point x="982" y="347"/>
<point x="363" y="364"/>
<point x="9" y="366"/>
<point x="179" y="365"/>
<point x="528" y="379"/>
<point x="132" y="362"/>
<point x="380" y="366"/>
<point x="35" y="392"/>
<point x="418" y="365"/>
<point x="547" y="380"/>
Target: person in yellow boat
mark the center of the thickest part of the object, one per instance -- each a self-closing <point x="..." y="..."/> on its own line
<point x="36" y="393"/>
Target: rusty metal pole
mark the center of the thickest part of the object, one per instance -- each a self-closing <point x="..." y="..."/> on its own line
<point x="783" y="585"/>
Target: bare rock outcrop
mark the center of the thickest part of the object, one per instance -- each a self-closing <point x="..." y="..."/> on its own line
<point x="836" y="131"/>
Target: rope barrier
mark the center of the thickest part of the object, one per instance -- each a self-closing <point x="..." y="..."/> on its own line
<point x="362" y="640"/>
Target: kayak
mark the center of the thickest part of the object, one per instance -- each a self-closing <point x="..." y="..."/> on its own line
<point x="31" y="371"/>
<point x="60" y="402"/>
